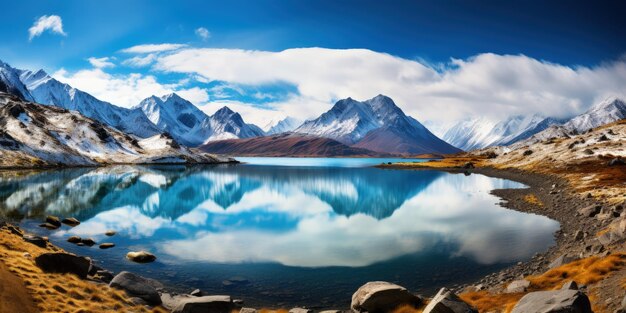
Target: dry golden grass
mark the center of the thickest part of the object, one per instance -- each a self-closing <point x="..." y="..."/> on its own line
<point x="448" y="162"/>
<point x="485" y="301"/>
<point x="532" y="199"/>
<point x="60" y="292"/>
<point x="585" y="271"/>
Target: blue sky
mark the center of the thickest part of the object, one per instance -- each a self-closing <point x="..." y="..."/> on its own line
<point x="570" y="34"/>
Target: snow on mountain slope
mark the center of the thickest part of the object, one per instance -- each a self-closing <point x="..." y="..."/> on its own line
<point x="480" y="132"/>
<point x="49" y="91"/>
<point x="278" y="126"/>
<point x="376" y="124"/>
<point x="604" y="112"/>
<point x="227" y="124"/>
<point x="32" y="134"/>
<point x="10" y="82"/>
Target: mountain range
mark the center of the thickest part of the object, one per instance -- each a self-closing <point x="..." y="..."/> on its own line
<point x="372" y="127"/>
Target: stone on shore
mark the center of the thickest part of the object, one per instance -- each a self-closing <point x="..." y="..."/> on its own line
<point x="518" y="286"/>
<point x="300" y="310"/>
<point x="64" y="263"/>
<point x="561" y="260"/>
<point x="36" y="240"/>
<point x="249" y="310"/>
<point x="213" y="304"/>
<point x="137" y="286"/>
<point x="447" y="302"/>
<point x="590" y="211"/>
<point x="553" y="302"/>
<point x="50" y="219"/>
<point x="380" y="296"/>
<point x="71" y="221"/>
<point x="141" y="257"/>
<point x="107" y="245"/>
<point x="110" y="233"/>
<point x="88" y="242"/>
<point x="48" y="226"/>
<point x="74" y="239"/>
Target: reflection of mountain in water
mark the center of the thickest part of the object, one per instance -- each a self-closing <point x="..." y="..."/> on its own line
<point x="171" y="192"/>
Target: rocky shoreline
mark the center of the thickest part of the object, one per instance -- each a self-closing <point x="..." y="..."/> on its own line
<point x="552" y="197"/>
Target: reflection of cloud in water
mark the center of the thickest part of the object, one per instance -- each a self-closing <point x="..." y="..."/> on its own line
<point x="442" y="213"/>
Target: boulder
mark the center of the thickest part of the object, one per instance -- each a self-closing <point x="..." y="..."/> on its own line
<point x="196" y="293"/>
<point x="468" y="165"/>
<point x="249" y="310"/>
<point x="553" y="301"/>
<point x="74" y="239"/>
<point x="48" y="226"/>
<point x="88" y="242"/>
<point x="590" y="211"/>
<point x="137" y="286"/>
<point x="141" y="257"/>
<point x="561" y="260"/>
<point x="170" y="301"/>
<point x="518" y="286"/>
<point x="213" y="304"/>
<point x="380" y="296"/>
<point x="110" y="233"/>
<point x="53" y="220"/>
<point x="300" y="310"/>
<point x="64" y="263"/>
<point x="36" y="240"/>
<point x="104" y="275"/>
<point x="107" y="245"/>
<point x="71" y="221"/>
<point x="445" y="301"/>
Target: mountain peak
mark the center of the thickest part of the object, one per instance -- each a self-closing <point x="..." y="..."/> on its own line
<point x="224" y="111"/>
<point x="172" y="96"/>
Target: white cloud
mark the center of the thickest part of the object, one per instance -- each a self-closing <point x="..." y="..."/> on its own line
<point x="101" y="62"/>
<point x="488" y="84"/>
<point x="203" y="33"/>
<point x="52" y="23"/>
<point x="140" y="61"/>
<point x="150" y="48"/>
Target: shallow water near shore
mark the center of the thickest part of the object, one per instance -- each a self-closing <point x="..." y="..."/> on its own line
<point x="283" y="232"/>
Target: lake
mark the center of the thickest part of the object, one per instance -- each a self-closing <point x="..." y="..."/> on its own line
<point x="281" y="232"/>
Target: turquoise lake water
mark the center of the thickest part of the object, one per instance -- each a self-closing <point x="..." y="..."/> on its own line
<point x="285" y="231"/>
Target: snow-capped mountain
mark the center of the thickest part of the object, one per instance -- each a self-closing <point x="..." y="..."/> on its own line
<point x="47" y="90"/>
<point x="34" y="135"/>
<point x="480" y="132"/>
<point x="278" y="126"/>
<point x="10" y="82"/>
<point x="376" y="124"/>
<point x="227" y="124"/>
<point x="604" y="112"/>
<point x="190" y="126"/>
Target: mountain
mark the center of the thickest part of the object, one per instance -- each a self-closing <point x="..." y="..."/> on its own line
<point x="190" y="126"/>
<point x="376" y="124"/>
<point x="34" y="135"/>
<point x="227" y="124"/>
<point x="10" y="83"/>
<point x="278" y="126"/>
<point x="480" y="132"/>
<point x="604" y="112"/>
<point x="49" y="91"/>
<point x="285" y="144"/>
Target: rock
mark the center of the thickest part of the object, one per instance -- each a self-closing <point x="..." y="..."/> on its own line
<point x="107" y="245"/>
<point x="300" y="310"/>
<point x="141" y="257"/>
<point x="14" y="229"/>
<point x="570" y="285"/>
<point x="36" y="240"/>
<point x="213" y="304"/>
<point x="64" y="263"/>
<point x="553" y="301"/>
<point x="249" y="310"/>
<point x="104" y="275"/>
<point x="170" y="301"/>
<point x="579" y="235"/>
<point x="48" y="226"/>
<point x="518" y="286"/>
<point x="445" y="301"/>
<point x="88" y="242"/>
<point x="527" y="152"/>
<point x="616" y="162"/>
<point x="53" y="220"/>
<point x="380" y="296"/>
<point x="238" y="302"/>
<point x="138" y="301"/>
<point x="110" y="233"/>
<point x="588" y="151"/>
<point x="468" y="165"/>
<point x="561" y="260"/>
<point x="590" y="211"/>
<point x="71" y="221"/>
<point x="74" y="239"/>
<point x="137" y="286"/>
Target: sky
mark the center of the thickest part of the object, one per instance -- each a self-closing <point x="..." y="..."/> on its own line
<point x="440" y="61"/>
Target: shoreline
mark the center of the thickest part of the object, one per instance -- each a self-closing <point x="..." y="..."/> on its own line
<point x="558" y="202"/>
